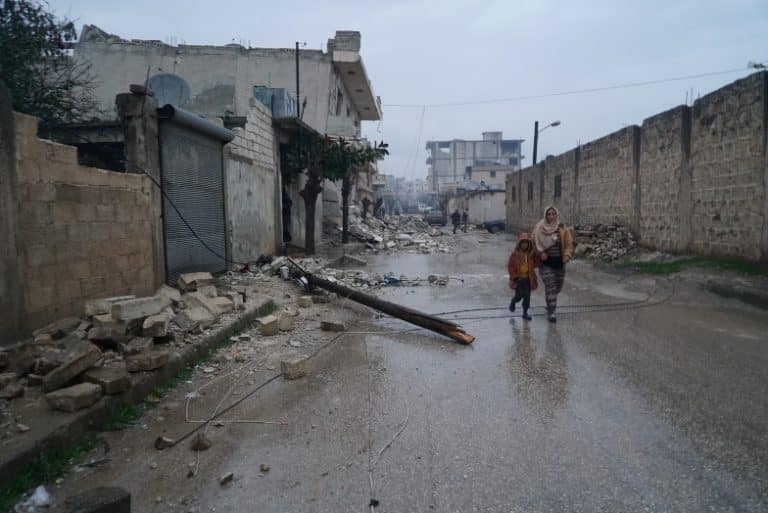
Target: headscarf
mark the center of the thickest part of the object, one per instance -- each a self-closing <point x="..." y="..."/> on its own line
<point x="543" y="232"/>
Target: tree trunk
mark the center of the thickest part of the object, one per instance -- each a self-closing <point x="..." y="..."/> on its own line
<point x="311" y="191"/>
<point x="346" y="186"/>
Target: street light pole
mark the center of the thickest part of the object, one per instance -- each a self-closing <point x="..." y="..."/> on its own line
<point x="535" y="140"/>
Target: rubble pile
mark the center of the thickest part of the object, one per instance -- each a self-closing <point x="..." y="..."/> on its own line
<point x="605" y="242"/>
<point x="407" y="233"/>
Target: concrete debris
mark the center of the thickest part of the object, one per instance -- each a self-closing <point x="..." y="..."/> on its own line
<point x="105" y="499"/>
<point x="22" y="428"/>
<point x="58" y="329"/>
<point x="156" y="325"/>
<point x="208" y="291"/>
<point x="40" y="500"/>
<point x="287" y="318"/>
<point x="226" y="478"/>
<point x="333" y="326"/>
<point x="269" y="326"/>
<point x="201" y="443"/>
<point x="112" y="378"/>
<point x="105" y="327"/>
<point x="437" y="279"/>
<point x="194" y="317"/>
<point x="102" y="306"/>
<point x="264" y="468"/>
<point x="77" y="359"/>
<point x="305" y="301"/>
<point x="74" y="398"/>
<point x="192" y="281"/>
<point x="216" y="306"/>
<point x="402" y="233"/>
<point x="34" y="380"/>
<point x="163" y="442"/>
<point x="603" y="242"/>
<point x="12" y="391"/>
<point x="147" y="361"/>
<point x="138" y="308"/>
<point x="136" y="345"/>
<point x="349" y="261"/>
<point x="170" y="294"/>
<point x="294" y="368"/>
<point x="7" y="378"/>
<point x="3" y="360"/>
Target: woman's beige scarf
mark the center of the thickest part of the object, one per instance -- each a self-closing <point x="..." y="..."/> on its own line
<point x="545" y="234"/>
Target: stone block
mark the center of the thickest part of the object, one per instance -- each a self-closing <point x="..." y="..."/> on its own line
<point x="7" y="378"/>
<point x="148" y="361"/>
<point x="295" y="367"/>
<point x="208" y="291"/>
<point x="287" y="318"/>
<point x="138" y="308"/>
<point x="192" y="281"/>
<point x="269" y="326"/>
<point x="236" y="298"/>
<point x="194" y="317"/>
<point x="156" y="325"/>
<point x="11" y="391"/>
<point x="305" y="301"/>
<point x="105" y="499"/>
<point x="136" y="345"/>
<point x="103" y="306"/>
<point x="215" y="305"/>
<point x="332" y="326"/>
<point x="58" y="329"/>
<point x="77" y="359"/>
<point x="107" y="328"/>
<point x="74" y="398"/>
<point x="170" y="293"/>
<point x="112" y="378"/>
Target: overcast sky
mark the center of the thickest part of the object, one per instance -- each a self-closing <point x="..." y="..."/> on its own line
<point x="432" y="52"/>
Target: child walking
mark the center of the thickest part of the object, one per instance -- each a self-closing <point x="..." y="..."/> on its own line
<point x="522" y="277"/>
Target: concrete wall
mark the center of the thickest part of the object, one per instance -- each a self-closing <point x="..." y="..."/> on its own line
<point x="690" y="179"/>
<point x="252" y="185"/>
<point x="81" y="232"/>
<point x="298" y="213"/>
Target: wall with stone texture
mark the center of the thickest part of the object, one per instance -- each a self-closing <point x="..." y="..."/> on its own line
<point x="689" y="180"/>
<point x="81" y="232"/>
<point x="252" y="185"/>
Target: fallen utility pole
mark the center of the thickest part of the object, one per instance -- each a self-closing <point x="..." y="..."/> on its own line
<point x="421" y="319"/>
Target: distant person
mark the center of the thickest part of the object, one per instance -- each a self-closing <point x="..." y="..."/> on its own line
<point x="366" y="206"/>
<point x="465" y="219"/>
<point x="522" y="277"/>
<point x="554" y="244"/>
<point x="455" y="219"/>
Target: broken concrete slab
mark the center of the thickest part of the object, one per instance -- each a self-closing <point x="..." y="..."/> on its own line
<point x="305" y="301"/>
<point x="58" y="329"/>
<point x="12" y="390"/>
<point x="194" y="317"/>
<point x="105" y="327"/>
<point x="7" y="378"/>
<point x="156" y="325"/>
<point x="208" y="291"/>
<point x="269" y="326"/>
<point x="294" y="367"/>
<point x="170" y="294"/>
<point x="138" y="308"/>
<point x="104" y="305"/>
<point x="105" y="499"/>
<point x="215" y="305"/>
<point x="192" y="281"/>
<point x="333" y="326"/>
<point x="287" y="318"/>
<point x="112" y="378"/>
<point x="34" y="380"/>
<point x="277" y="263"/>
<point x="236" y="298"/>
<point x="148" y="361"/>
<point x="74" y="398"/>
<point x="77" y="359"/>
<point x="136" y="345"/>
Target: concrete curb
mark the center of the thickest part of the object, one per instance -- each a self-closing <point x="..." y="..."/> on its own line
<point x="15" y="462"/>
<point x="750" y="295"/>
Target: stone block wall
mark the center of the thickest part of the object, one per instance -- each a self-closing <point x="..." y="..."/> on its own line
<point x="689" y="180"/>
<point x="728" y="165"/>
<point x="81" y="232"/>
<point x="252" y="188"/>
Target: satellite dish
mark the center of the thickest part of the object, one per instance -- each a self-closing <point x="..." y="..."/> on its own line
<point x="169" y="89"/>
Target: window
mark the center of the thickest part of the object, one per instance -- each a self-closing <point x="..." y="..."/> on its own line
<point x="468" y="172"/>
<point x="530" y="191"/>
<point x="339" y="102"/>
<point x="514" y="193"/>
<point x="493" y="174"/>
<point x="558" y="186"/>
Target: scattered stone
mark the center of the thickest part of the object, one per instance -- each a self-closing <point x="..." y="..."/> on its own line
<point x="44" y="339"/>
<point x="226" y="478"/>
<point x="169" y="294"/>
<point x="153" y="465"/>
<point x="137" y="308"/>
<point x="236" y="298"/>
<point x="105" y="499"/>
<point x="195" y="317"/>
<point x="148" y="361"/>
<point x="269" y="326"/>
<point x="264" y="468"/>
<point x="7" y="378"/>
<point x="156" y="325"/>
<point x="163" y="442"/>
<point x="332" y="326"/>
<point x="348" y="261"/>
<point x="294" y="368"/>
<point x="58" y="329"/>
<point x="77" y="359"/>
<point x="112" y="378"/>
<point x="74" y="398"/>
<point x="294" y="343"/>
<point x="287" y="318"/>
<point x="12" y="391"/>
<point x="437" y="279"/>
<point x="216" y="306"/>
<point x="192" y="281"/>
<point x="136" y="345"/>
<point x="48" y="362"/>
<point x="208" y="291"/>
<point x="305" y="301"/>
<point x="95" y="307"/>
<point x="22" y="428"/>
<point x="201" y="443"/>
<point x="34" y="380"/>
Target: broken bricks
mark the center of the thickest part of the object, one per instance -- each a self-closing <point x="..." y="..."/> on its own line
<point x="201" y="443"/>
<point x="138" y="308"/>
<point x="156" y="325"/>
<point x="269" y="326"/>
<point x="147" y="361"/>
<point x="333" y="326"/>
<point x="77" y="359"/>
<point x="112" y="378"/>
<point x="305" y="301"/>
<point x="295" y="367"/>
<point x="287" y="318"/>
<point x="194" y="317"/>
<point x="192" y="281"/>
<point x="74" y="398"/>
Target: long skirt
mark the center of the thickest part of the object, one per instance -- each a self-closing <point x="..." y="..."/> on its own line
<point x="553" y="283"/>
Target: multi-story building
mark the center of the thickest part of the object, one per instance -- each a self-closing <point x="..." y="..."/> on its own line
<point x="454" y="161"/>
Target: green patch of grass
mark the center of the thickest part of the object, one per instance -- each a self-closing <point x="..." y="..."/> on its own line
<point x="46" y="467"/>
<point x="267" y="308"/>
<point x="674" y="266"/>
<point x="124" y="415"/>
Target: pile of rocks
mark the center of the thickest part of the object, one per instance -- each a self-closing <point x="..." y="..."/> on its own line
<point x="75" y="361"/>
<point x="605" y="242"/>
<point x="399" y="233"/>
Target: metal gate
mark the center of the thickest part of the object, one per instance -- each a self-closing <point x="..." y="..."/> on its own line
<point x="191" y="153"/>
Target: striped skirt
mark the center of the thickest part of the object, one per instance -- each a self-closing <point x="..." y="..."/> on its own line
<point x="553" y="283"/>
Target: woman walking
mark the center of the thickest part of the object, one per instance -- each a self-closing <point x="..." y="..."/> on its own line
<point x="555" y="246"/>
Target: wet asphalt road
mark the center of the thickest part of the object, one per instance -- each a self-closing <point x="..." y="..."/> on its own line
<point x="658" y="404"/>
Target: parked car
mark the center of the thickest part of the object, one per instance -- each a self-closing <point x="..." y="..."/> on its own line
<point x="494" y="226"/>
<point x="436" y="217"/>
